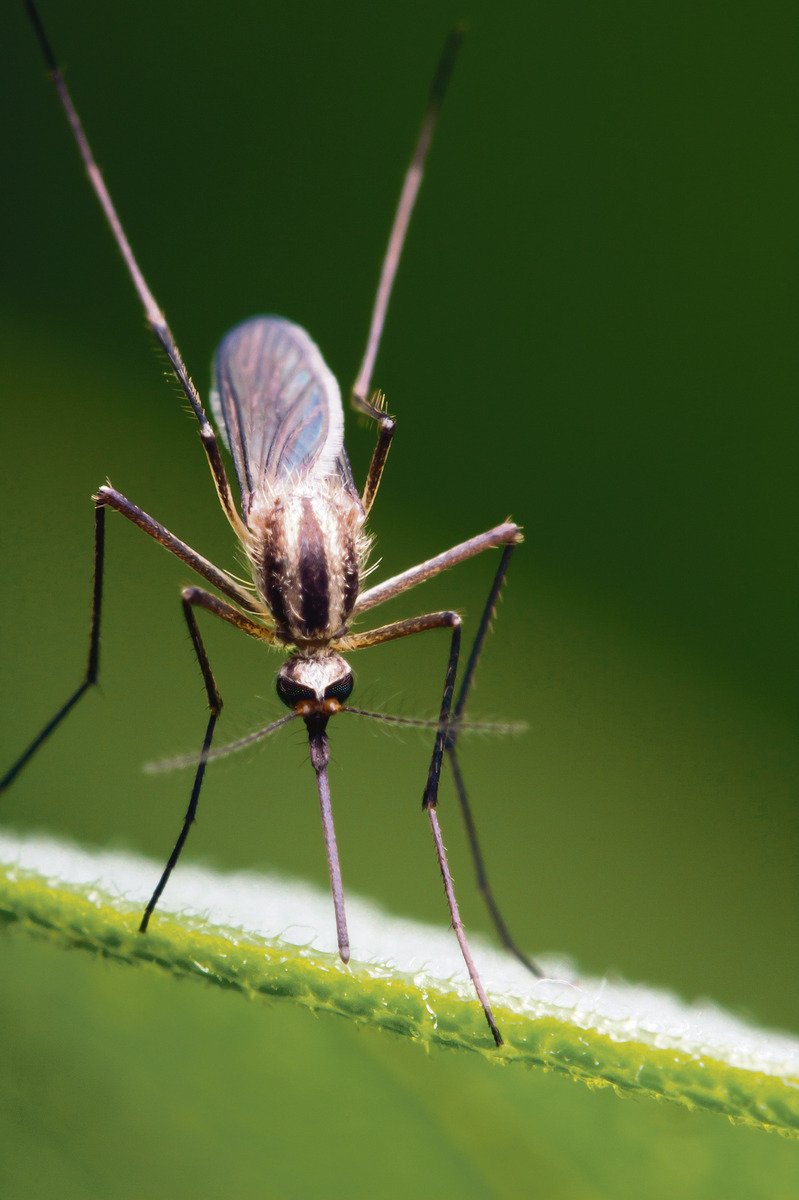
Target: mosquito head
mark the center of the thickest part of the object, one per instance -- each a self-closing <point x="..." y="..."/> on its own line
<point x="314" y="685"/>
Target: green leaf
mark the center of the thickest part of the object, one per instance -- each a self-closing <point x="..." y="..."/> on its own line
<point x="405" y="977"/>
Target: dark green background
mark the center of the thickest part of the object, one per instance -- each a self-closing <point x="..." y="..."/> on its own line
<point x="594" y="329"/>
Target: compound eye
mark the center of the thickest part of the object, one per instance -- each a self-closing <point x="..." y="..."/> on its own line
<point x="341" y="689"/>
<point x="292" y="693"/>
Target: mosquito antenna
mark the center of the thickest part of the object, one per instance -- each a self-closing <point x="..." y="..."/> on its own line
<point x="190" y="760"/>
<point x="410" y="189"/>
<point x="320" y="756"/>
<point x="500" y="727"/>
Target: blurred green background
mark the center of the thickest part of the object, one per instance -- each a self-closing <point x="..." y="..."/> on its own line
<point x="595" y="330"/>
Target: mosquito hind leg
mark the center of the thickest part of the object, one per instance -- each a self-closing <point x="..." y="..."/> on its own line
<point x="402" y="215"/>
<point x="396" y="240"/>
<point x="153" y="314"/>
<point x="450" y="746"/>
<point x="375" y="410"/>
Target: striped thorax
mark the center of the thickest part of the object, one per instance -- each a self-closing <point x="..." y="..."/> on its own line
<point x="307" y="549"/>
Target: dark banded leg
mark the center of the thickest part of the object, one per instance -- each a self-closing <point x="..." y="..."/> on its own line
<point x="389" y="633"/>
<point x="109" y="497"/>
<point x="450" y="747"/>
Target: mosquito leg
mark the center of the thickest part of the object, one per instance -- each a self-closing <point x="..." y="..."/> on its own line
<point x="457" y="924"/>
<point x="154" y="529"/>
<point x="386" y="429"/>
<point x="226" y="612"/>
<point x="399" y="228"/>
<point x="388" y="271"/>
<point x="410" y="186"/>
<point x="153" y="314"/>
<point x="507" y="534"/>
<point x="191" y="596"/>
<point x="109" y="497"/>
<point x="389" y="633"/>
<point x="430" y="805"/>
<point x="450" y="747"/>
<point x="406" y="628"/>
<point x="483" y="884"/>
<point x="483" y="629"/>
<point x="92" y="665"/>
<point x="397" y="629"/>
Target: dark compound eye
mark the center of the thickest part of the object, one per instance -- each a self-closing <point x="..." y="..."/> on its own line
<point x="341" y="689"/>
<point x="292" y="693"/>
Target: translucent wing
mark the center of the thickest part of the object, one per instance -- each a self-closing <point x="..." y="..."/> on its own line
<point x="277" y="406"/>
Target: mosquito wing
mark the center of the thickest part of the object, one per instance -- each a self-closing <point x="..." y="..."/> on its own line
<point x="278" y="407"/>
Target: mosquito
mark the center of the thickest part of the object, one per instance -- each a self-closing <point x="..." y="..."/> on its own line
<point x="301" y="523"/>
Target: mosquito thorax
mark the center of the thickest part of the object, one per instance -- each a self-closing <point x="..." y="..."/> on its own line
<point x="314" y="685"/>
<point x="308" y="548"/>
